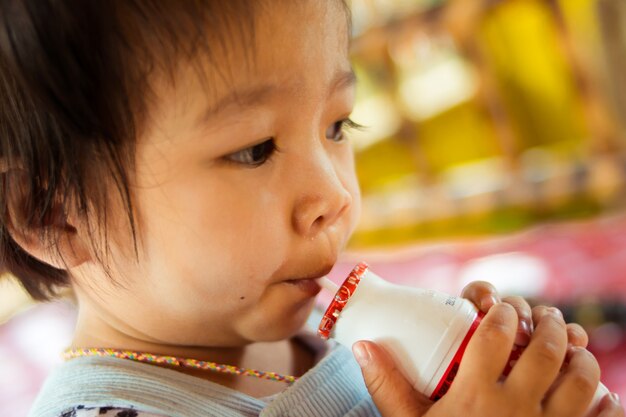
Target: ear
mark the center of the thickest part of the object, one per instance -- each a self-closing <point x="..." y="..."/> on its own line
<point x="53" y="237"/>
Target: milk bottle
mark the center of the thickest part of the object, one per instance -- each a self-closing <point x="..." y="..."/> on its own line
<point x="426" y="332"/>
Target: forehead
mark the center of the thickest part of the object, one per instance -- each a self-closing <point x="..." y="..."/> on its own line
<point x="294" y="49"/>
<point x="316" y="26"/>
<point x="294" y="44"/>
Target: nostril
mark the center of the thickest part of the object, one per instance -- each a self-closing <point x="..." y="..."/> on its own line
<point x="318" y="223"/>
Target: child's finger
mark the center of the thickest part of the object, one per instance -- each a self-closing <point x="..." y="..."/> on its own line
<point x="489" y="349"/>
<point x="577" y="386"/>
<point x="525" y="323"/>
<point x="539" y="365"/>
<point x="482" y="294"/>
<point x="392" y="393"/>
<point x="539" y="311"/>
<point x="610" y="406"/>
<point x="576" y="335"/>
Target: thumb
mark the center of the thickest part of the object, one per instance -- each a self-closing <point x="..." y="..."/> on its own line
<point x="392" y="393"/>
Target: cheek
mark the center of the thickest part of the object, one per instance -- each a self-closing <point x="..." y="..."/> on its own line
<point x="215" y="230"/>
<point x="237" y="225"/>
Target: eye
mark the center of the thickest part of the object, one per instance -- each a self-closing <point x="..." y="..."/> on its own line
<point x="335" y="132"/>
<point x="254" y="155"/>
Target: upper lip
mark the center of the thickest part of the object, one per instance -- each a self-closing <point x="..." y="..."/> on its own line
<point x="316" y="273"/>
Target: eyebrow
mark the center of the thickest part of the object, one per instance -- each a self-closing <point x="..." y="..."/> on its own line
<point x="255" y="95"/>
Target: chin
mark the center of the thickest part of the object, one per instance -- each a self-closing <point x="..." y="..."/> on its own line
<point x="287" y="326"/>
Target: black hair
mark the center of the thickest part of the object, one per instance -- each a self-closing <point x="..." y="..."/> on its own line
<point x="74" y="94"/>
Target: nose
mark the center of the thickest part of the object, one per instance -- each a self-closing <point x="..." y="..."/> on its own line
<point x="322" y="198"/>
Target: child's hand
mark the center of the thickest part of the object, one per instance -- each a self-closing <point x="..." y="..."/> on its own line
<point x="478" y="390"/>
<point x="484" y="296"/>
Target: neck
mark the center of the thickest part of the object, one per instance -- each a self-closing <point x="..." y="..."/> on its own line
<point x="286" y="357"/>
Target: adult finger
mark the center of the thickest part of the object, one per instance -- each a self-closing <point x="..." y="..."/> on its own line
<point x="482" y="294"/>
<point x="576" y="387"/>
<point x="392" y="393"/>
<point x="538" y="366"/>
<point x="488" y="351"/>
<point x="525" y="323"/>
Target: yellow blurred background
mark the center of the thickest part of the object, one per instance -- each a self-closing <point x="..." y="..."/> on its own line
<point x="487" y="116"/>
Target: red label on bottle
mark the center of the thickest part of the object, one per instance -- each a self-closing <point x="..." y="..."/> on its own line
<point x="446" y="380"/>
<point x="453" y="368"/>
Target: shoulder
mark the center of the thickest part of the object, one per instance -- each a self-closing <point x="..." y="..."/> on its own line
<point x="78" y="386"/>
<point x="82" y="411"/>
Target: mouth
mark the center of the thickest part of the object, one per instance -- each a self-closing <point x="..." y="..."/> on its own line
<point x="308" y="283"/>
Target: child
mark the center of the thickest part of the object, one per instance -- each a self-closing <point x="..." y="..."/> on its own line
<point x="182" y="165"/>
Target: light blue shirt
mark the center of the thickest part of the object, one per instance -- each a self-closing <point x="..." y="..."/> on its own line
<point x="332" y="388"/>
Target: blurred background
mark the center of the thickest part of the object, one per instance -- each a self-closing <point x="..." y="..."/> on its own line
<point x="487" y="116"/>
<point x="494" y="148"/>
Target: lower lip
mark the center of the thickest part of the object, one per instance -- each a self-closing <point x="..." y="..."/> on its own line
<point x="308" y="286"/>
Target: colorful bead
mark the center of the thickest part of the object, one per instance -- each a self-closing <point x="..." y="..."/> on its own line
<point x="174" y="361"/>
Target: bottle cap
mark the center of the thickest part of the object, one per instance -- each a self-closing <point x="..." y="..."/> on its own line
<point x="340" y="300"/>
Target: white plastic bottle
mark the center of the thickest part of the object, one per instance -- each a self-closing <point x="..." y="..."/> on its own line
<point x="425" y="331"/>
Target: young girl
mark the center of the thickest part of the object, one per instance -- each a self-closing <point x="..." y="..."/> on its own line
<point x="182" y="165"/>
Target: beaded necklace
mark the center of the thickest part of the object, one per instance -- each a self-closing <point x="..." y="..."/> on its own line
<point x="174" y="361"/>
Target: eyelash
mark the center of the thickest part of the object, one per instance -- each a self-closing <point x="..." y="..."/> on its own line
<point x="344" y="125"/>
<point x="247" y="158"/>
<point x="268" y="147"/>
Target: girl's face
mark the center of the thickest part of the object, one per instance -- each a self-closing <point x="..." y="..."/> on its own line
<point x="246" y="190"/>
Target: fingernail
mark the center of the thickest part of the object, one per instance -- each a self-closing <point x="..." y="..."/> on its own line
<point x="522" y="338"/>
<point x="524" y="326"/>
<point x="362" y="354"/>
<point x="615" y="397"/>
<point x="555" y="311"/>
<point x="487" y="302"/>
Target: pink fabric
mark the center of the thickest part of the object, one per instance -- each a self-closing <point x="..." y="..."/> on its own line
<point x="30" y="345"/>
